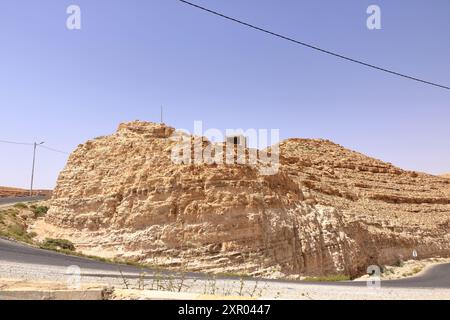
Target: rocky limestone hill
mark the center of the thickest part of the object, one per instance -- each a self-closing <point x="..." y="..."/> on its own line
<point x="327" y="210"/>
<point x="387" y="211"/>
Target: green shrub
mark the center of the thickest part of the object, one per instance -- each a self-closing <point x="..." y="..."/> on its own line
<point x="21" y="206"/>
<point x="32" y="234"/>
<point x="15" y="231"/>
<point x="329" y="278"/>
<point x="56" y="244"/>
<point x="39" y="211"/>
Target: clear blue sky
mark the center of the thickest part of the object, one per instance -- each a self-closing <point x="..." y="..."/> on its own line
<point x="65" y="87"/>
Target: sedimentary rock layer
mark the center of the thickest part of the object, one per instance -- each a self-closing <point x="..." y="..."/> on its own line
<point x="327" y="209"/>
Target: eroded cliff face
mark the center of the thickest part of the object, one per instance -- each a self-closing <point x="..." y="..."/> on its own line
<point x="327" y="210"/>
<point x="386" y="211"/>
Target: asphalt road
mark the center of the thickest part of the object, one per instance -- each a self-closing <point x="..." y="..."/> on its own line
<point x="435" y="277"/>
<point x="12" y="200"/>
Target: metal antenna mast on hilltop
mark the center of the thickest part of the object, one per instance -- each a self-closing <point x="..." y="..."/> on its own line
<point x="161" y="115"/>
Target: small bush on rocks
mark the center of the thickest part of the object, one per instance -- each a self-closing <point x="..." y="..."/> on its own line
<point x="57" y="244"/>
<point x="20" y="206"/>
<point x="39" y="211"/>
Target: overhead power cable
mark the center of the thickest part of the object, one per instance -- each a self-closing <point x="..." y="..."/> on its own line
<point x="53" y="149"/>
<point x="13" y="142"/>
<point x="31" y="144"/>
<point x="337" y="55"/>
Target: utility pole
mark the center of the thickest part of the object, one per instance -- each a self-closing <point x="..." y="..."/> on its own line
<point x="32" y="168"/>
<point x="161" y="115"/>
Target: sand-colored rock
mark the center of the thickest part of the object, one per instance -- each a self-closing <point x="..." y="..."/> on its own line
<point x="327" y="210"/>
<point x="387" y="211"/>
